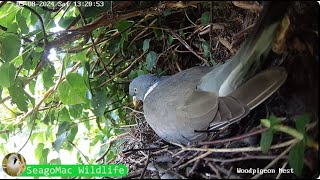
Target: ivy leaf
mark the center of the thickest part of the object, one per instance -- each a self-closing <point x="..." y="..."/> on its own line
<point x="73" y="133"/>
<point x="146" y="44"/>
<point x="55" y="161"/>
<point x="44" y="156"/>
<point x="206" y="50"/>
<point x="151" y="60"/>
<point x="47" y="76"/>
<point x="64" y="115"/>
<point x="22" y="22"/>
<point x="7" y="74"/>
<point x="99" y="102"/>
<point x="59" y="141"/>
<point x="75" y="110"/>
<point x="123" y="25"/>
<point x="296" y="156"/>
<point x="73" y="90"/>
<point x="38" y="151"/>
<point x="301" y="122"/>
<point x="266" y="140"/>
<point x="170" y="40"/>
<point x="19" y="96"/>
<point x="205" y="18"/>
<point x="63" y="127"/>
<point x="9" y="51"/>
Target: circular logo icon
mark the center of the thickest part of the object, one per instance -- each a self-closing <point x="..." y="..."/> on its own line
<point x="14" y="164"/>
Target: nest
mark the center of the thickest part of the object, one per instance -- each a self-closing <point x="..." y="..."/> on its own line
<point x="229" y="152"/>
<point x="226" y="155"/>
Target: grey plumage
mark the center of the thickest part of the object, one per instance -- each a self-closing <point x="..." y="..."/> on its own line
<point x="204" y="98"/>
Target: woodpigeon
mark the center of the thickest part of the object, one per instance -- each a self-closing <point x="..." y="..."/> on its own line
<point x="181" y="106"/>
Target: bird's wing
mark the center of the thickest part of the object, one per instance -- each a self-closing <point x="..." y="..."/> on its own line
<point x="230" y="110"/>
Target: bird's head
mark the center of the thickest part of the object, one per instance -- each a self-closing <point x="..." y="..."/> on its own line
<point x="140" y="86"/>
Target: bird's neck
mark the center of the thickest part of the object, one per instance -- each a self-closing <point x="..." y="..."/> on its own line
<point x="150" y="89"/>
<point x="153" y="84"/>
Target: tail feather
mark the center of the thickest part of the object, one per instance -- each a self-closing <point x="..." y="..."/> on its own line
<point x="260" y="87"/>
<point x="229" y="76"/>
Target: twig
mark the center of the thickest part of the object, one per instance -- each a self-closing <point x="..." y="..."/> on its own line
<point x="47" y="94"/>
<point x="213" y="168"/>
<point x="248" y="5"/>
<point x="276" y="159"/>
<point x="232" y="150"/>
<point x="145" y="166"/>
<point x="241" y="158"/>
<point x="124" y="71"/>
<point x="187" y="46"/>
<point x="194" y="159"/>
<point x="233" y="138"/>
<point x="280" y="172"/>
<point x="194" y="167"/>
<point x="86" y="158"/>
<point x="109" y="143"/>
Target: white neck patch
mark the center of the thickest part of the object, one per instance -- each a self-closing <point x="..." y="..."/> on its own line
<point x="150" y="89"/>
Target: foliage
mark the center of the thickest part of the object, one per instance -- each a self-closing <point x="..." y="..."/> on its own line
<point x="65" y="70"/>
<point x="296" y="153"/>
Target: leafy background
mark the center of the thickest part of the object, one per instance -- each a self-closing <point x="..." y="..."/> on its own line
<point x="65" y="69"/>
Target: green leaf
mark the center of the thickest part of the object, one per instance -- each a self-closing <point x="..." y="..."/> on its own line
<point x="8" y="51"/>
<point x="22" y="22"/>
<point x="123" y="25"/>
<point x="146" y="44"/>
<point x="266" y="140"/>
<point x="170" y="40"/>
<point x="206" y="50"/>
<point x="73" y="90"/>
<point x="157" y="33"/>
<point x="32" y="85"/>
<point x="63" y="127"/>
<point x="73" y="133"/>
<point x="38" y="151"/>
<point x="75" y="110"/>
<point x="301" y="122"/>
<point x="7" y="74"/>
<point x="64" y="23"/>
<point x="274" y="120"/>
<point x="13" y="27"/>
<point x="19" y="96"/>
<point x="47" y="76"/>
<point x="167" y="12"/>
<point x="64" y="115"/>
<point x="296" y="156"/>
<point x="55" y="161"/>
<point x="99" y="102"/>
<point x="59" y="141"/>
<point x="17" y="61"/>
<point x="151" y="60"/>
<point x="44" y="156"/>
<point x="8" y="13"/>
<point x="205" y="18"/>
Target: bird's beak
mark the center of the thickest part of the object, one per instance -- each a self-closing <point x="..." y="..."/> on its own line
<point x="135" y="101"/>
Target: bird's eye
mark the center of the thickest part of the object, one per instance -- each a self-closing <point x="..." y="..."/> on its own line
<point x="135" y="89"/>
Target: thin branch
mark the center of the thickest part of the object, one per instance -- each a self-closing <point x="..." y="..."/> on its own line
<point x="187" y="46"/>
<point x="233" y="150"/>
<point x="276" y="159"/>
<point x="110" y="142"/>
<point x="145" y="166"/>
<point x="124" y="71"/>
<point x="233" y="138"/>
<point x="86" y="158"/>
<point x="47" y="94"/>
